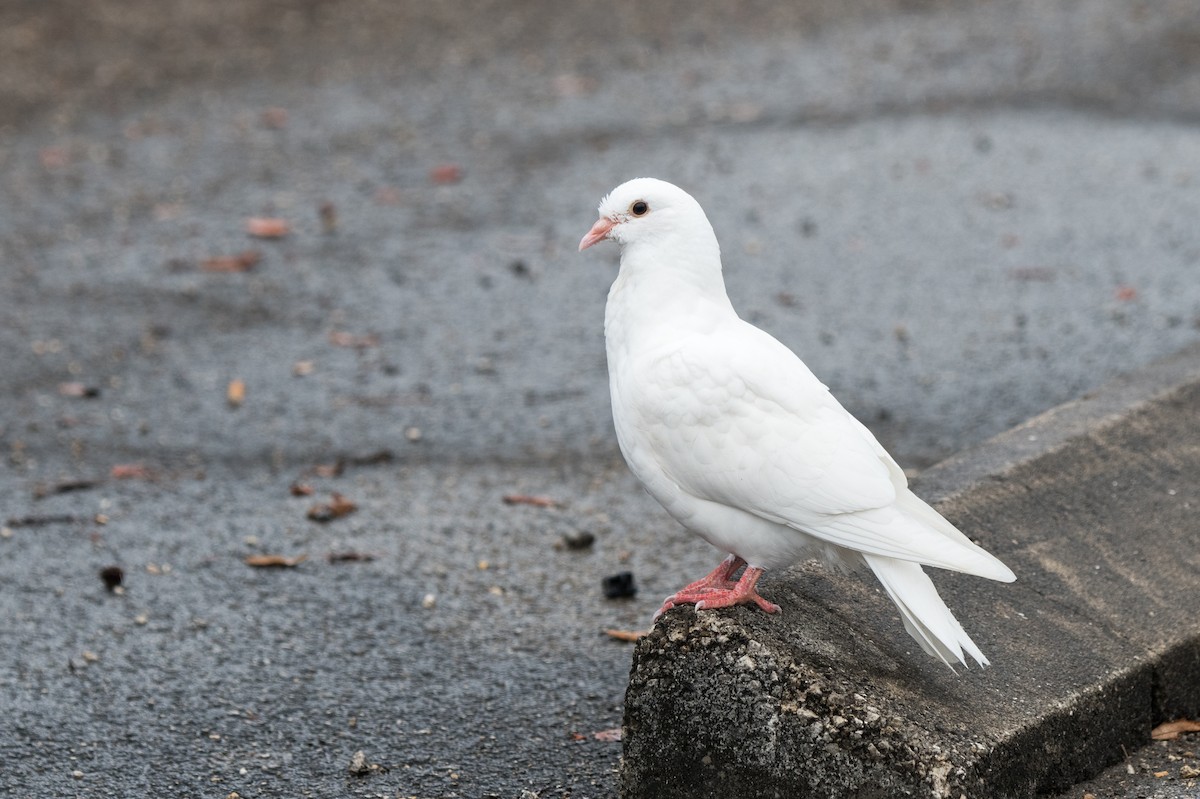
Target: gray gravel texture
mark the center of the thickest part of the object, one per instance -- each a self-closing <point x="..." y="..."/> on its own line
<point x="958" y="216"/>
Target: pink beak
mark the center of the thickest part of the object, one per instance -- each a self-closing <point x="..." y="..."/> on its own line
<point x="598" y="233"/>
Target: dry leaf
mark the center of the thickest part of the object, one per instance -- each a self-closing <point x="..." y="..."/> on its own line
<point x="446" y="173"/>
<point x="387" y="195"/>
<point x="39" y="521"/>
<point x="329" y="220"/>
<point x="275" y="117"/>
<point x="78" y="390"/>
<point x="526" y="499"/>
<point x="351" y="556"/>
<point x="274" y="561"/>
<point x="340" y="338"/>
<point x="611" y="736"/>
<point x="337" y="507"/>
<point x="267" y="228"/>
<point x="236" y="393"/>
<point x="242" y="262"/>
<point x="302" y="490"/>
<point x="625" y="635"/>
<point x="341" y="506"/>
<point x="1171" y="729"/>
<point x="54" y="157"/>
<point x="1161" y="774"/>
<point x="63" y="487"/>
<point x="329" y="469"/>
<point x="130" y="471"/>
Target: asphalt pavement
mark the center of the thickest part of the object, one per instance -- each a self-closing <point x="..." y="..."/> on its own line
<point x="959" y="217"/>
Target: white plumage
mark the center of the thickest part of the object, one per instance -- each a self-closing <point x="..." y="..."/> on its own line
<point x="741" y="443"/>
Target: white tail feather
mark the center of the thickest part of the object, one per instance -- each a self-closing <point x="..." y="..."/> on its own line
<point x="925" y="615"/>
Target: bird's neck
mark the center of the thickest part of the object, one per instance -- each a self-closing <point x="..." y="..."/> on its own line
<point x="657" y="300"/>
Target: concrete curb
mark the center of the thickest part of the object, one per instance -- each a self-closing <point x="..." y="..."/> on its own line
<point x="1091" y="503"/>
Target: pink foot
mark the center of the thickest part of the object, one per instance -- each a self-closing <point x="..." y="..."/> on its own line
<point x="718" y="590"/>
<point x="719" y="578"/>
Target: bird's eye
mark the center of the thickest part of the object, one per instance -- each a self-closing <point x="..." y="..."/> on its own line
<point x="639" y="208"/>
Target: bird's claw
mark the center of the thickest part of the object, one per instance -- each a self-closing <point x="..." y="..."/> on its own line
<point x="730" y="598"/>
<point x="716" y="591"/>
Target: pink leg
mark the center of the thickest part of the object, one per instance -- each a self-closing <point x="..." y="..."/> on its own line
<point x="720" y="577"/>
<point x="718" y="589"/>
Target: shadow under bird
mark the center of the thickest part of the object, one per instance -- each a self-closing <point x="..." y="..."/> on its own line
<point x="743" y="445"/>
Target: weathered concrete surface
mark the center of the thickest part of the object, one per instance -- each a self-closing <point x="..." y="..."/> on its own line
<point x="1097" y="640"/>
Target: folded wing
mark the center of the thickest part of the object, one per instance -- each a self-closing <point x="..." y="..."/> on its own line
<point x="737" y="418"/>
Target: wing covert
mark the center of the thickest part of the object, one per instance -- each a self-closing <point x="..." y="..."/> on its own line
<point x="759" y="432"/>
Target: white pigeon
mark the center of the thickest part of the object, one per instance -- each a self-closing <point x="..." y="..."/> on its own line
<point x="742" y="444"/>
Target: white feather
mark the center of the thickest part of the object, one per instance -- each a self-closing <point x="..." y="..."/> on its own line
<point x="923" y="612"/>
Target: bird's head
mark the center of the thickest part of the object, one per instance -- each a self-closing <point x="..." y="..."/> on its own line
<point x="645" y="210"/>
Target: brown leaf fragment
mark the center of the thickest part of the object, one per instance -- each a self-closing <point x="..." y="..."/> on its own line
<point x="341" y="338"/>
<point x="274" y="561"/>
<point x="42" y="521"/>
<point x="337" y="507"/>
<point x="242" y="262"/>
<point x="527" y="499"/>
<point x="275" y="118"/>
<point x="329" y="218"/>
<point x="387" y="195"/>
<point x="165" y="212"/>
<point x="1161" y="774"/>
<point x="63" y="487"/>
<point x="373" y="458"/>
<point x="54" y="157"/>
<point x="80" y="390"/>
<point x="341" y="505"/>
<point x="321" y="513"/>
<point x="130" y="471"/>
<point x="626" y="635"/>
<point x="302" y="490"/>
<point x="351" y="556"/>
<point x="236" y="393"/>
<point x="570" y="84"/>
<point x="611" y="736"/>
<point x="1171" y="730"/>
<point x="445" y="174"/>
<point x="267" y="227"/>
